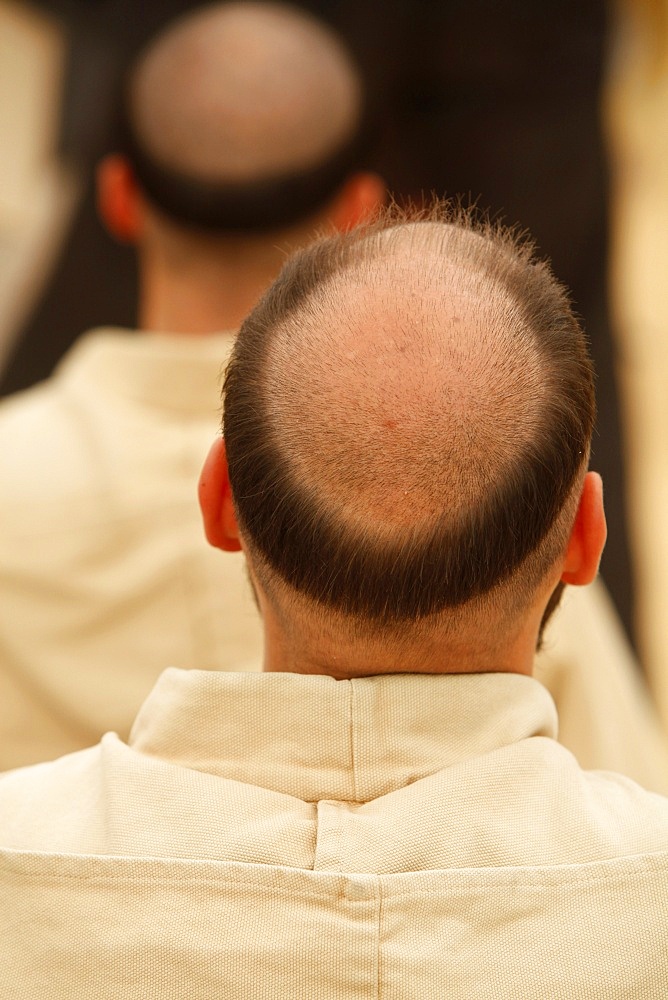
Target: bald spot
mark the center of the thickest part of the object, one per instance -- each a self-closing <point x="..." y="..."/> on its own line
<point x="415" y="378"/>
<point x="243" y="92"/>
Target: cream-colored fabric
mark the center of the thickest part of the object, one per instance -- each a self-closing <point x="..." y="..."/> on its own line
<point x="38" y="191"/>
<point x="278" y="835"/>
<point x="606" y="716"/>
<point x="105" y="577"/>
<point x="636" y="111"/>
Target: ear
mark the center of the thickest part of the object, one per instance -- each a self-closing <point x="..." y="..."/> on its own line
<point x="119" y="202"/>
<point x="215" y="501"/>
<point x="587" y="540"/>
<point x="358" y="200"/>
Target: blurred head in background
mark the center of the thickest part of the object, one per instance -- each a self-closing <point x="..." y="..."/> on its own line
<point x="243" y="132"/>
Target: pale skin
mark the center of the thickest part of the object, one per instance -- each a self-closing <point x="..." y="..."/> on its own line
<point x="187" y="285"/>
<point x="312" y="650"/>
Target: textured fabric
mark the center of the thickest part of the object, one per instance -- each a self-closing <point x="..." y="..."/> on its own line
<point x="606" y="716"/>
<point x="105" y="577"/>
<point x="279" y="835"/>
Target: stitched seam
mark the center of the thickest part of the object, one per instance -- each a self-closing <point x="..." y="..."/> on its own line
<point x="379" y="914"/>
<point x="353" y="748"/>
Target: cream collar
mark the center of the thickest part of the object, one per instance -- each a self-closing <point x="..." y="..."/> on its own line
<point x="314" y="737"/>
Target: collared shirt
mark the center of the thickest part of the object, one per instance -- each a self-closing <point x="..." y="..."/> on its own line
<point x="293" y="836"/>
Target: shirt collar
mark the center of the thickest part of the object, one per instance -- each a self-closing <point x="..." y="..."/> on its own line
<point x="317" y="738"/>
<point x="172" y="372"/>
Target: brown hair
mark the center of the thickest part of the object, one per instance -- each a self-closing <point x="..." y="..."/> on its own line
<point x="492" y="493"/>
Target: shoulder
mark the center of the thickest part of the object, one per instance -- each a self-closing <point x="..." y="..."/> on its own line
<point x="609" y="814"/>
<point x="49" y="440"/>
<point x="43" y="806"/>
<point x="23" y="413"/>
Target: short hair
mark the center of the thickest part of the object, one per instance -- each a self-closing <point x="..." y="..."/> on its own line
<point x="215" y="199"/>
<point x="489" y="458"/>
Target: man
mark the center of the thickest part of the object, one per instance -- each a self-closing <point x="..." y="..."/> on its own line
<point x="243" y="134"/>
<point x="242" y="129"/>
<point x="385" y="812"/>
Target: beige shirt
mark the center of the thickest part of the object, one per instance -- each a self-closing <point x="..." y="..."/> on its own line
<point x="279" y="835"/>
<point x="105" y="577"/>
<point x="605" y="714"/>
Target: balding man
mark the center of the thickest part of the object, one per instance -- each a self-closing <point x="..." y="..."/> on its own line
<point x="242" y="133"/>
<point x="385" y="812"/>
<point x="242" y="128"/>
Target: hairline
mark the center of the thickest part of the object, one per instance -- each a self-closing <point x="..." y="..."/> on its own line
<point x="536" y="551"/>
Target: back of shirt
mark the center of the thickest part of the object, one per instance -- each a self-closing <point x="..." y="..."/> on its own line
<point x="96" y="928"/>
<point x="286" y="835"/>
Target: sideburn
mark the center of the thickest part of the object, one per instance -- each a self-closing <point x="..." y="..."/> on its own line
<point x="552" y="605"/>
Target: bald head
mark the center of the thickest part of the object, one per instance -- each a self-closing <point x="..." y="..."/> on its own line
<point x="408" y="414"/>
<point x="412" y="352"/>
<point x="240" y="97"/>
<point x="243" y="91"/>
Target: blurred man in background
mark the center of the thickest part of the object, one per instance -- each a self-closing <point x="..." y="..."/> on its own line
<point x="242" y="135"/>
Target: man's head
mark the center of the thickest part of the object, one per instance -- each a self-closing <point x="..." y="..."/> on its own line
<point x="408" y="415"/>
<point x="238" y="119"/>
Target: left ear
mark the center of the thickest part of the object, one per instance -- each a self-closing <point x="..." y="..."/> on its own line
<point x="119" y="202"/>
<point x="215" y="501"/>
<point x="588" y="535"/>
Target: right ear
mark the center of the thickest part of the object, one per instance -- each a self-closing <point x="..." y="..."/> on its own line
<point x="359" y="199"/>
<point x="585" y="546"/>
<point x="119" y="202"/>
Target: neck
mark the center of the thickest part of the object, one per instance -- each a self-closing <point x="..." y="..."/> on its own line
<point x="311" y="648"/>
<point x="197" y="298"/>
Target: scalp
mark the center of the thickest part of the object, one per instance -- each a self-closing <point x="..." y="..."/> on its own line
<point x="417" y="378"/>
